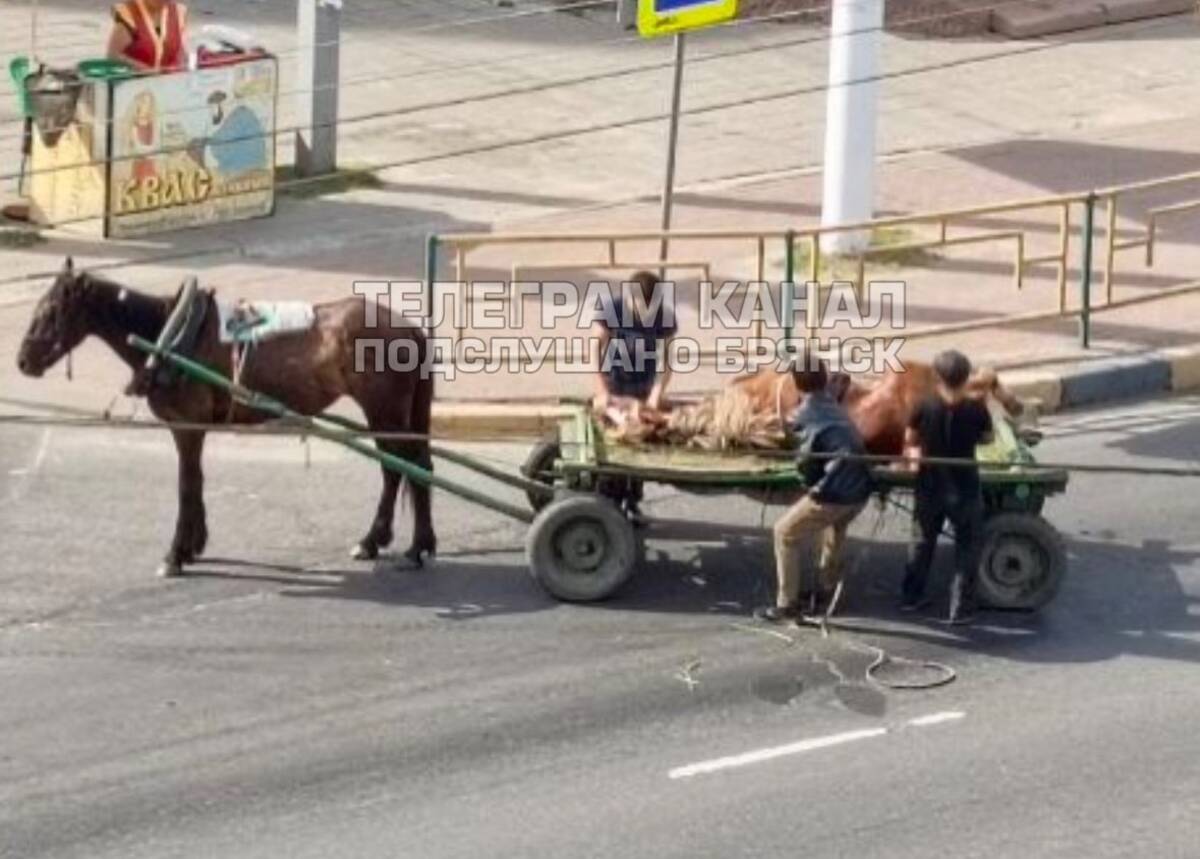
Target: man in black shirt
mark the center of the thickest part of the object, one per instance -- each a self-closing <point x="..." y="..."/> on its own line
<point x="838" y="489"/>
<point x="949" y="425"/>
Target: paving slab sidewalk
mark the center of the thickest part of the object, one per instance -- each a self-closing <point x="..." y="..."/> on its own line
<point x="1042" y="360"/>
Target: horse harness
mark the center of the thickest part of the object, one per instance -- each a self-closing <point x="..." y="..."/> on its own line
<point x="180" y="335"/>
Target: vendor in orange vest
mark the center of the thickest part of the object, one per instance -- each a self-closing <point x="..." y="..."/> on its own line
<point x="148" y="34"/>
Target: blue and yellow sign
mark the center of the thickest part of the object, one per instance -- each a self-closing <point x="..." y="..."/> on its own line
<point x="662" y="17"/>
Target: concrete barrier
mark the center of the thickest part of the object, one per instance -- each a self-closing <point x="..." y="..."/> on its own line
<point x="1116" y="379"/>
<point x="466" y="421"/>
<point x="1185" y="368"/>
<point x="1119" y="11"/>
<point x="1040" y="385"/>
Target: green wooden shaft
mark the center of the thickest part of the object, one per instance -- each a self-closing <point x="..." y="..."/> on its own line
<point x="319" y="427"/>
<point x="1085" y="282"/>
<point x="787" y="309"/>
<point x="458" y="458"/>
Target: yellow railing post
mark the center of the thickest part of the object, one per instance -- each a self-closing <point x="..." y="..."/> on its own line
<point x="1110" y="245"/>
<point x="1064" y="247"/>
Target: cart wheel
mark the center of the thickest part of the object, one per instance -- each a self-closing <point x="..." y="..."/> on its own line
<point x="581" y="549"/>
<point x="1022" y="562"/>
<point x="538" y="465"/>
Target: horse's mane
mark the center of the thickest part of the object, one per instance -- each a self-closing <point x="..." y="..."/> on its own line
<point x="116" y="306"/>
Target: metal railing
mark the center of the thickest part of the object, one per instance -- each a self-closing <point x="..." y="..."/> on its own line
<point x="599" y="250"/>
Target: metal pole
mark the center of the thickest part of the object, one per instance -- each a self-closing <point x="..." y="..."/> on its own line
<point x="850" y="110"/>
<point x="318" y="27"/>
<point x="627" y="13"/>
<point x="1085" y="279"/>
<point x="672" y="143"/>
<point x="431" y="255"/>
<point x="788" y="286"/>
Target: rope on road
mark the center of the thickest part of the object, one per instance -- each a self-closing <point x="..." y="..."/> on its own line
<point x="943" y="674"/>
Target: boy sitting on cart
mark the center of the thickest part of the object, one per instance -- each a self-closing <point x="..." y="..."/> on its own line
<point x="634" y="333"/>
<point x="838" y="487"/>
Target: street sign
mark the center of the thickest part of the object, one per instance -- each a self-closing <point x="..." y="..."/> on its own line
<point x="663" y="17"/>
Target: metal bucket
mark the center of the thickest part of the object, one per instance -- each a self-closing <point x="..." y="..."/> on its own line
<point x="53" y="95"/>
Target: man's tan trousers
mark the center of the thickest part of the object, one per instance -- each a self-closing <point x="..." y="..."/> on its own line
<point x="804" y="520"/>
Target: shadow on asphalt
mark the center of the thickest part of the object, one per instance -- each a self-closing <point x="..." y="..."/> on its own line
<point x="1119" y="599"/>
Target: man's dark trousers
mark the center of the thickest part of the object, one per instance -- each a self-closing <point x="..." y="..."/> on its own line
<point x="930" y="515"/>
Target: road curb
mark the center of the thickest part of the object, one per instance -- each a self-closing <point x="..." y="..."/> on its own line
<point x="1117" y="379"/>
<point x="495" y="421"/>
<point x="1171" y="370"/>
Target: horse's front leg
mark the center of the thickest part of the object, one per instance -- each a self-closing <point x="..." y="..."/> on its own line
<point x="191" y="530"/>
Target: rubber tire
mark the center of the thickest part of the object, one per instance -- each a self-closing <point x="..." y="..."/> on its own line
<point x="601" y="538"/>
<point x="1028" y="541"/>
<point x="540" y="460"/>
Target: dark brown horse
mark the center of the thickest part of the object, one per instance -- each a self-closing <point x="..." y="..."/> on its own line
<point x="307" y="371"/>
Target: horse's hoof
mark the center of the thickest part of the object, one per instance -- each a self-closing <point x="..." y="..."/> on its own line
<point x="364" y="552"/>
<point x="417" y="557"/>
<point x="169" y="570"/>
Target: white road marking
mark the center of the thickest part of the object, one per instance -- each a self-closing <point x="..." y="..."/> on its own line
<point x="769" y="754"/>
<point x="936" y="718"/>
<point x="757" y="757"/>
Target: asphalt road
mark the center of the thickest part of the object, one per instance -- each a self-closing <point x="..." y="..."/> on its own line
<point x="288" y="702"/>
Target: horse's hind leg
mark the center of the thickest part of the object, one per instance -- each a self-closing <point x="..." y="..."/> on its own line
<point x="379" y="535"/>
<point x="424" y="540"/>
<point x="384" y="415"/>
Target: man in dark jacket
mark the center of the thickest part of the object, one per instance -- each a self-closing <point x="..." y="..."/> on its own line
<point x="838" y="489"/>
<point x="949" y="425"/>
<point x="633" y="332"/>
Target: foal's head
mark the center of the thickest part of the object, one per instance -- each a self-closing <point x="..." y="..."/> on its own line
<point x="60" y="322"/>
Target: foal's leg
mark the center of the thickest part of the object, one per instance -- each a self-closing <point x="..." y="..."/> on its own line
<point x="191" y="531"/>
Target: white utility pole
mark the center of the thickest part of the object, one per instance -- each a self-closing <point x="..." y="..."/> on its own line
<point x="627" y="12"/>
<point x="849" y="173"/>
<point x="318" y="29"/>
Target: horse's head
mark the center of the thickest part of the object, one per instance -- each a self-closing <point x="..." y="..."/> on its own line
<point x="986" y="382"/>
<point x="59" y="322"/>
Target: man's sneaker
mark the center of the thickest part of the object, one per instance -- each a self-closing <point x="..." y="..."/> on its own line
<point x="910" y="603"/>
<point x="777" y="614"/>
